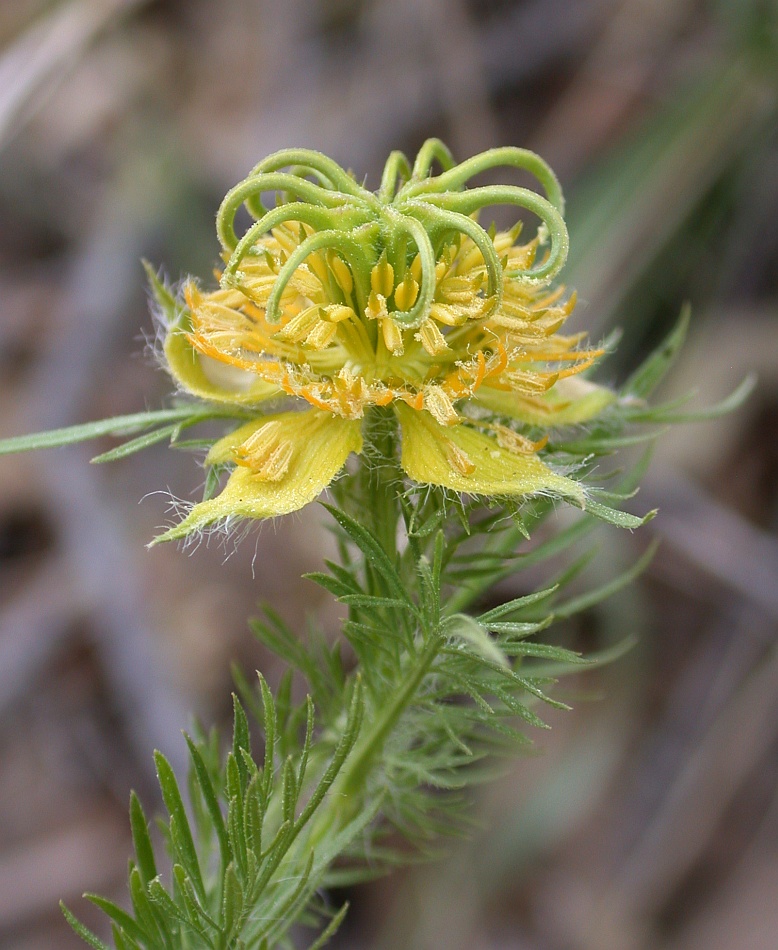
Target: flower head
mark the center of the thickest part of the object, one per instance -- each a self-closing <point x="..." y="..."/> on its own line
<point x="344" y="299"/>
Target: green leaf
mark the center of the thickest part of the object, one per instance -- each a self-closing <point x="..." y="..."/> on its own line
<point x="517" y="603"/>
<point x="141" y="840"/>
<point x="289" y="790"/>
<point x="369" y="601"/>
<point x="122" y="941"/>
<point x="471" y="632"/>
<point x="253" y="816"/>
<point x="232" y="902"/>
<point x="621" y="519"/>
<point x="593" y="597"/>
<point x="519" y="629"/>
<point x="180" y="831"/>
<point x="269" y="724"/>
<point x="211" y="800"/>
<point x="135" y="445"/>
<point x="167" y="906"/>
<point x="333" y="585"/>
<point x="331" y="929"/>
<point x="164" y="298"/>
<point x="547" y="652"/>
<point x="653" y="370"/>
<point x="309" y="721"/>
<point x="282" y="913"/>
<point x="373" y="551"/>
<point x="118" y="425"/>
<point x="240" y="739"/>
<point x="122" y="918"/>
<point x="593" y="660"/>
<point x="342" y="750"/>
<point x="669" y="414"/>
<point x="197" y="915"/>
<point x="86" y="935"/>
<point x="607" y="445"/>
<point x="155" y="924"/>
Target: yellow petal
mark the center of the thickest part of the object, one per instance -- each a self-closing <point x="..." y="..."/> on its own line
<point x="196" y="374"/>
<point x="461" y="458"/>
<point x="210" y="379"/>
<point x="285" y="461"/>
<point x="569" y="401"/>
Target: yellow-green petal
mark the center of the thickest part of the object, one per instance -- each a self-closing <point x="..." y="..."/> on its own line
<point x="299" y="454"/>
<point x="209" y="379"/>
<point x="187" y="366"/>
<point x="570" y="401"/>
<point x="465" y="460"/>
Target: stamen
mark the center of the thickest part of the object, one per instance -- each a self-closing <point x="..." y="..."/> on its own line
<point x="457" y="458"/>
<point x="337" y="313"/>
<point x="342" y="272"/>
<point x="439" y="406"/>
<point x="406" y="292"/>
<point x="321" y="335"/>
<point x="382" y="277"/>
<point x="393" y="338"/>
<point x="298" y="328"/>
<point x="515" y="442"/>
<point x="448" y="315"/>
<point x="376" y="306"/>
<point x="316" y="263"/>
<point x="431" y="338"/>
<point x="265" y="454"/>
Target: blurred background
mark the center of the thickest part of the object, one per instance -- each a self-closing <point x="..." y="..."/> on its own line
<point x="651" y="818"/>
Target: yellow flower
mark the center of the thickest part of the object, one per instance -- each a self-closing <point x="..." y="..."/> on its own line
<point x="345" y="299"/>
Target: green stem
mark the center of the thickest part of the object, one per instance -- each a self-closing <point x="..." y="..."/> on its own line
<point x="364" y="756"/>
<point x="380" y="491"/>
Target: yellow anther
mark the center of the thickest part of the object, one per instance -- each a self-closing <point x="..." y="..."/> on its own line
<point x="318" y="266"/>
<point x="376" y="307"/>
<point x="522" y="257"/>
<point x="457" y="458"/>
<point x="458" y="289"/>
<point x="415" y="268"/>
<point x="342" y="272"/>
<point x="513" y="441"/>
<point x="285" y="239"/>
<point x="439" y="406"/>
<point x="431" y="338"/>
<point x="265" y="453"/>
<point x="337" y="313"/>
<point x="448" y="315"/>
<point x="529" y="383"/>
<point x="552" y="326"/>
<point x="469" y="258"/>
<point x="393" y="338"/>
<point x="382" y="277"/>
<point x="406" y="292"/>
<point x="350" y="393"/>
<point x="298" y="328"/>
<point x="504" y="240"/>
<point x="321" y="335"/>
